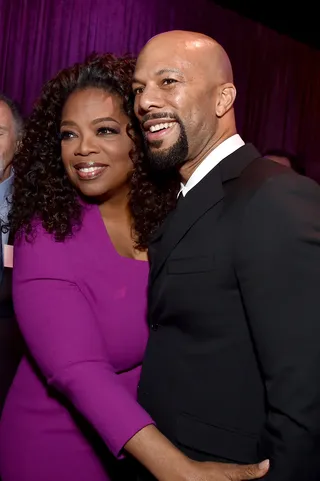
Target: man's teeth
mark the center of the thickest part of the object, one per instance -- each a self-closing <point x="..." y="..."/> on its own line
<point x="89" y="169"/>
<point x="167" y="125"/>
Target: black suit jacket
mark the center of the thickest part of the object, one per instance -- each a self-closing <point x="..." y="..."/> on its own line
<point x="232" y="366"/>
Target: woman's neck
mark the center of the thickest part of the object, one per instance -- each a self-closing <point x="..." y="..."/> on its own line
<point x="118" y="222"/>
<point x="115" y="207"/>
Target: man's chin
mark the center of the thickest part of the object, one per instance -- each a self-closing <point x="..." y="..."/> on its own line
<point x="160" y="148"/>
<point x="165" y="154"/>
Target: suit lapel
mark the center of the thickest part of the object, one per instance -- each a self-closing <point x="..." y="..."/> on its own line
<point x="199" y="200"/>
<point x="155" y="243"/>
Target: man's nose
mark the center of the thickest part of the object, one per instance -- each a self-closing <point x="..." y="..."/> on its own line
<point x="148" y="100"/>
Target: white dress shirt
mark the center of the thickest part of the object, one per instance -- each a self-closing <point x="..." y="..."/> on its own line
<point x="224" y="149"/>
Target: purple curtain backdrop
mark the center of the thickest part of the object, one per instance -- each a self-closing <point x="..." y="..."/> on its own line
<point x="277" y="79"/>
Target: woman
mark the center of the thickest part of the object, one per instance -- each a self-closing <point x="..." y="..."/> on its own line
<point x="80" y="277"/>
<point x="83" y="211"/>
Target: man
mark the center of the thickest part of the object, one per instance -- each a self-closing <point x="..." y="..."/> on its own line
<point x="10" y="131"/>
<point x="231" y="370"/>
<point x="10" y="341"/>
<point x="285" y="158"/>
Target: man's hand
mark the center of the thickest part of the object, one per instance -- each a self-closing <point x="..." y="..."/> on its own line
<point x="208" y="471"/>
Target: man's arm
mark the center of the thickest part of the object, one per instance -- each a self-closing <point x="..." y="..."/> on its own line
<point x="278" y="267"/>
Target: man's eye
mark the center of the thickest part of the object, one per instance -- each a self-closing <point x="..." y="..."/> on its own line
<point x="168" y="81"/>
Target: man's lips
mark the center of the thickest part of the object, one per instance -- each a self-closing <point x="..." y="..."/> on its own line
<point x="155" y="124"/>
<point x="160" y="131"/>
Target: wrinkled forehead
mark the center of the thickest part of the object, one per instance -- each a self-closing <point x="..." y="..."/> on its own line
<point x="6" y="117"/>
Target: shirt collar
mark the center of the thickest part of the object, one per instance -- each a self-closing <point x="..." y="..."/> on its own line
<point x="222" y="151"/>
<point x="5" y="188"/>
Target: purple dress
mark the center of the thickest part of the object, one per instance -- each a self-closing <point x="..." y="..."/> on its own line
<point x="82" y="310"/>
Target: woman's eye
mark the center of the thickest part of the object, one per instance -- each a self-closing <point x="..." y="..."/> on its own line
<point x="66" y="134"/>
<point x="137" y="91"/>
<point x="106" y="131"/>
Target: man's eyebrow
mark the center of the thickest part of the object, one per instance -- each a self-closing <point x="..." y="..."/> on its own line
<point x="159" y="73"/>
<point x="169" y="70"/>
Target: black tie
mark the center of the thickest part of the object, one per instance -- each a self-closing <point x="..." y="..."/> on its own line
<point x="180" y="199"/>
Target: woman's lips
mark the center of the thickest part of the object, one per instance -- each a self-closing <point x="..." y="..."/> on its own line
<point x="89" y="170"/>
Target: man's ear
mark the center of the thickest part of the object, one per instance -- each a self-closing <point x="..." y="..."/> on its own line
<point x="225" y="99"/>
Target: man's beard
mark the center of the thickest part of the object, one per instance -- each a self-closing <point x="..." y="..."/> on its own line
<point x="171" y="158"/>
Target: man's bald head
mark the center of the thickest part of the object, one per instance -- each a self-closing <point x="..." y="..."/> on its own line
<point x="185" y="80"/>
<point x="199" y="48"/>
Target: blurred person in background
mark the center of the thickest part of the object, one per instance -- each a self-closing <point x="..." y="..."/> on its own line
<point x="288" y="159"/>
<point x="11" y="125"/>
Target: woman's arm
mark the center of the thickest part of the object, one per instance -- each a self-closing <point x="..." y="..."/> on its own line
<point x="64" y="338"/>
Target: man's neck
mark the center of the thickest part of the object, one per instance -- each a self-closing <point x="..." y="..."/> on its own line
<point x="191" y="165"/>
<point x="6" y="174"/>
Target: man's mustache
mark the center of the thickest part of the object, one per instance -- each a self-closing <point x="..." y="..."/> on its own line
<point x="159" y="115"/>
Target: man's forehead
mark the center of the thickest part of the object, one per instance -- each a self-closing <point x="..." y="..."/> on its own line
<point x="6" y="117"/>
<point x="161" y="63"/>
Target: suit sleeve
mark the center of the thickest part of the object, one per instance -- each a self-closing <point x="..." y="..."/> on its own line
<point x="63" y="336"/>
<point x="278" y="268"/>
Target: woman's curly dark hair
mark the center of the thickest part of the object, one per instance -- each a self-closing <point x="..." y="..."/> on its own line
<point x="42" y="188"/>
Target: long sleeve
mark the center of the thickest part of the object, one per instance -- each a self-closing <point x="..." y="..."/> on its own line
<point x="278" y="267"/>
<point x="63" y="336"/>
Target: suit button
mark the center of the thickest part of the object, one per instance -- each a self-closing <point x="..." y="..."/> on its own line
<point x="154" y="326"/>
